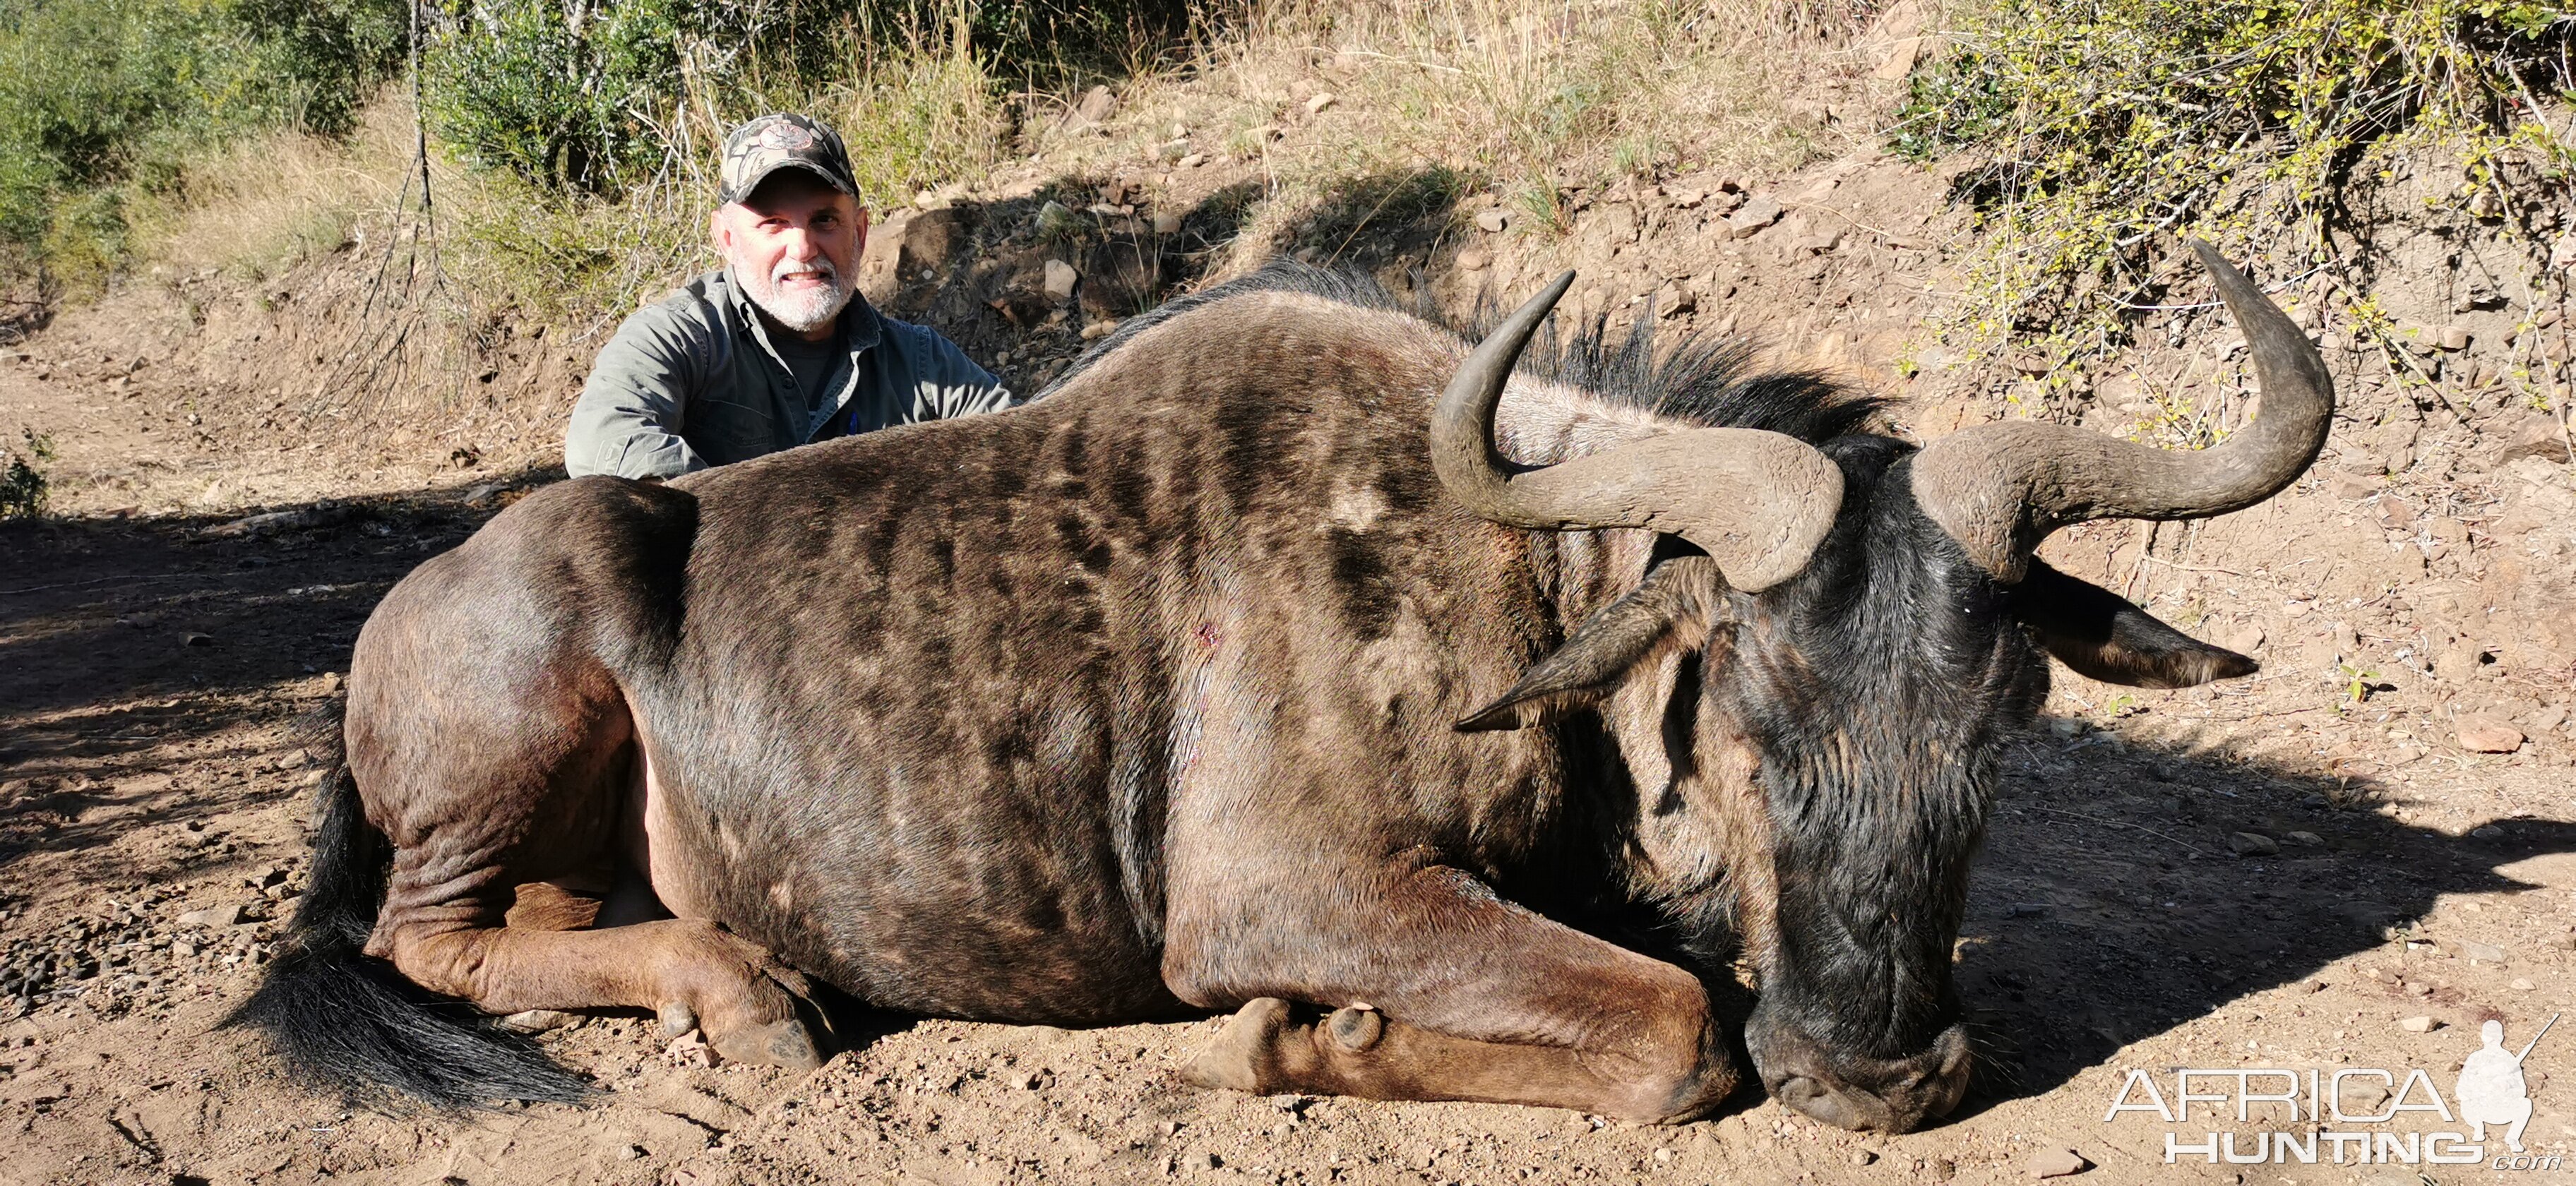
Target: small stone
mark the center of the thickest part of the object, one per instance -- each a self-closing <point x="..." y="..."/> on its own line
<point x="1664" y="1156"/>
<point x="195" y="639"/>
<point x="1096" y="330"/>
<point x="2522" y="984"/>
<point x="2054" y="1163"/>
<point x="1493" y="222"/>
<point x="2453" y="337"/>
<point x="212" y="916"/>
<point x="1193" y="160"/>
<point x="2419" y="1025"/>
<point x="2487" y="735"/>
<point x="2487" y="952"/>
<point x="1473" y="260"/>
<point x="1316" y="105"/>
<point x="1060" y="279"/>
<point x="1167" y="222"/>
<point x="2252" y="844"/>
<point x="538" y="1021"/>
<point x="631" y="1153"/>
<point x="2346" y="487"/>
<point x="2310" y="839"/>
<point x="1097" y="105"/>
<point x="1760" y="212"/>
<point x="2486" y="832"/>
<point x="1863" y="1157"/>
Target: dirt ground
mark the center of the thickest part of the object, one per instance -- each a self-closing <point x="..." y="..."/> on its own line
<point x="2348" y="861"/>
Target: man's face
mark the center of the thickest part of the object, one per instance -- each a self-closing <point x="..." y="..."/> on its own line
<point x="794" y="243"/>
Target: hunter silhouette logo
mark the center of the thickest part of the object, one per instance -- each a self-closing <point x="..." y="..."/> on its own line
<point x="2346" y="1115"/>
<point x="2491" y="1090"/>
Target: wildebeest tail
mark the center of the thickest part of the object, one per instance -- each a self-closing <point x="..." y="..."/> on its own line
<point x="346" y="1021"/>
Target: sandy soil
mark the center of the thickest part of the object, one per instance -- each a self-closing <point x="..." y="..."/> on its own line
<point x="2273" y="873"/>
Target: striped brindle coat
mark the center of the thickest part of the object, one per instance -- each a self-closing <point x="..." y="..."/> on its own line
<point x="1293" y="656"/>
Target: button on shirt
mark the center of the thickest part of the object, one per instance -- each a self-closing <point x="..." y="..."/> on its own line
<point x="696" y="380"/>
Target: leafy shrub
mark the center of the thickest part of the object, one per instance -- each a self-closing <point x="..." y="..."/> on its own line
<point x="2102" y="122"/>
<point x="22" y="484"/>
<point x="99" y="96"/>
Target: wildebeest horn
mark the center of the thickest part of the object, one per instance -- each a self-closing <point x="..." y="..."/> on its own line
<point x="1757" y="502"/>
<point x="2000" y="488"/>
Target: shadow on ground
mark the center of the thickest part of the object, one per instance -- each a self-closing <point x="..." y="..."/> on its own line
<point x="2108" y="907"/>
<point x="126" y="645"/>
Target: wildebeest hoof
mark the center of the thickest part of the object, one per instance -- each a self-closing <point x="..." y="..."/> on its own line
<point x="779" y="1044"/>
<point x="677" y="1019"/>
<point x="1356" y="1028"/>
<point x="1243" y="1050"/>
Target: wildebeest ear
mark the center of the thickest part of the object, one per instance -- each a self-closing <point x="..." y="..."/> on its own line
<point x="1669" y="609"/>
<point x="2099" y="634"/>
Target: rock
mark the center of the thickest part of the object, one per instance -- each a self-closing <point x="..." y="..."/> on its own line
<point x="538" y="1021"/>
<point x="1863" y="1157"/>
<point x="194" y="639"/>
<point x="1901" y="58"/>
<point x="2054" y="1163"/>
<point x="1493" y="222"/>
<point x="630" y="1153"/>
<point x="1096" y="330"/>
<point x="2520" y="984"/>
<point x="2252" y="844"/>
<point x="2452" y="337"/>
<point x="2310" y="839"/>
<point x="2487" y="735"/>
<point x="2246" y="639"/>
<point x="2487" y="952"/>
<point x="1473" y="260"/>
<point x="2486" y="832"/>
<point x="1761" y="211"/>
<point x="2350" y="487"/>
<point x="212" y="916"/>
<point x="1167" y="222"/>
<point x="2526" y="434"/>
<point x="1097" y="105"/>
<point x="1316" y="105"/>
<point x="2419" y="1025"/>
<point x="1060" y="279"/>
<point x="330" y="681"/>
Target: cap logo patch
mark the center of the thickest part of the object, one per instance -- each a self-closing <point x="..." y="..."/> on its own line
<point x="786" y="137"/>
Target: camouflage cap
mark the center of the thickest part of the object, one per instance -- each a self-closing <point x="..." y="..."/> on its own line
<point x="772" y="142"/>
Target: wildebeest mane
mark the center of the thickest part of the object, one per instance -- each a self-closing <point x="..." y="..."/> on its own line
<point x="1705" y="379"/>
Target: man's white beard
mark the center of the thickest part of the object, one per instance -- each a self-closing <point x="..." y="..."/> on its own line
<point x="804" y="310"/>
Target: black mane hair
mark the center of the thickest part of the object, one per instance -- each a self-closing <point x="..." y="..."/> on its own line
<point x="1704" y="379"/>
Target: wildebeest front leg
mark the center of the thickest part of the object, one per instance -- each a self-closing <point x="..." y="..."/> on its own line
<point x="1446" y="992"/>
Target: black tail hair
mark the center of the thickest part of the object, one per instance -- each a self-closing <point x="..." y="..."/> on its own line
<point x="345" y="1021"/>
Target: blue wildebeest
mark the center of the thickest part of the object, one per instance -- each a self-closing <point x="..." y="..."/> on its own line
<point x="1292" y="657"/>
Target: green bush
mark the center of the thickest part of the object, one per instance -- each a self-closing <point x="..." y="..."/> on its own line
<point x="583" y="97"/>
<point x="98" y="96"/>
<point x="2102" y="122"/>
<point x="22" y="485"/>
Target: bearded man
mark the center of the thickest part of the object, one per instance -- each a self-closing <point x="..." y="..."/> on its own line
<point x="775" y="349"/>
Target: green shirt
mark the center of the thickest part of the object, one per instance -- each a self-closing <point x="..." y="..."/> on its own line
<point x="694" y="381"/>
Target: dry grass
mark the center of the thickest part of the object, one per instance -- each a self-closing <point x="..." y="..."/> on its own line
<point x="283" y="197"/>
<point x="1527" y="97"/>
